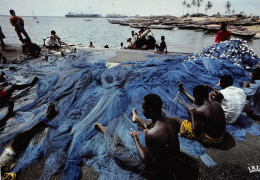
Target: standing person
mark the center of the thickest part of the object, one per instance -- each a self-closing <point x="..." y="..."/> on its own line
<point x="207" y="119"/>
<point x="232" y="99"/>
<point x="2" y="36"/>
<point x="223" y="34"/>
<point x="18" y="23"/>
<point x="162" y="147"/>
<point x="162" y="46"/>
<point x="252" y="91"/>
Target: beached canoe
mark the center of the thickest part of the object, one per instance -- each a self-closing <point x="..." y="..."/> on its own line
<point x="212" y="28"/>
<point x="124" y="24"/>
<point x="189" y="26"/>
<point x="244" y="34"/>
<point x="160" y="27"/>
<point x="139" y="26"/>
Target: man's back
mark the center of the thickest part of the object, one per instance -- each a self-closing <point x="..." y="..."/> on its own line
<point x="162" y="143"/>
<point x="212" y="118"/>
<point x="16" y="21"/>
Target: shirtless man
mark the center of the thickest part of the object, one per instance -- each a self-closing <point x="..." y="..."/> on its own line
<point x="6" y="93"/>
<point x="161" y="140"/>
<point x="207" y="119"/>
<point x="160" y="48"/>
<point x="20" y="142"/>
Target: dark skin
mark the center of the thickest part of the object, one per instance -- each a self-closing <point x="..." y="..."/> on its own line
<point x="215" y="95"/>
<point x="162" y="143"/>
<point x="208" y="117"/>
<point x="253" y="76"/>
<point x="10" y="89"/>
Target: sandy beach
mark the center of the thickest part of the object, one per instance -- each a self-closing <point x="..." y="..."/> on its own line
<point x="233" y="157"/>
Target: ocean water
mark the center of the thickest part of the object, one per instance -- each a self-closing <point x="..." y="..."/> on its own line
<point x="101" y="32"/>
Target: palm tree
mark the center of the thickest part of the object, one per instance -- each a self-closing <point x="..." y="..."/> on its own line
<point x="188" y="6"/>
<point x="228" y="6"/>
<point x="199" y="4"/>
<point x="184" y="4"/>
<point x="208" y="6"/>
<point x="193" y="3"/>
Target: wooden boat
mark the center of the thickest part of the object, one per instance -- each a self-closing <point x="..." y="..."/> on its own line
<point x="114" y="21"/>
<point x="124" y="24"/>
<point x="161" y="27"/>
<point x="139" y="26"/>
<point x="213" y="28"/>
<point x="87" y="19"/>
<point x="245" y="34"/>
<point x="189" y="26"/>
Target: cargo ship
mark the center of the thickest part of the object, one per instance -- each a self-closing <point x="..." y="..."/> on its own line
<point x="72" y="15"/>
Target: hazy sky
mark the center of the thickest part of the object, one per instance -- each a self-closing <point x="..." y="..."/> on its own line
<point x="126" y="7"/>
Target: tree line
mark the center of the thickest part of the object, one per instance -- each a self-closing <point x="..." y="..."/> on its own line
<point x="198" y="3"/>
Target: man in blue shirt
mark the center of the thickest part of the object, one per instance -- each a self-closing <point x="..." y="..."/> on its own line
<point x="252" y="91"/>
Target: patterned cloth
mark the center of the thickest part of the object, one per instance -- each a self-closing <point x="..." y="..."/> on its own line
<point x="253" y="100"/>
<point x="233" y="103"/>
<point x="187" y="132"/>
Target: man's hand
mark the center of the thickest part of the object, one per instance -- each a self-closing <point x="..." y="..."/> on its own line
<point x="181" y="87"/>
<point x="246" y="85"/>
<point x="191" y="111"/>
<point x="134" y="134"/>
<point x="213" y="95"/>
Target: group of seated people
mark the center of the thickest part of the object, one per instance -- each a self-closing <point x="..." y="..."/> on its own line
<point x="141" y="40"/>
<point x="208" y="114"/>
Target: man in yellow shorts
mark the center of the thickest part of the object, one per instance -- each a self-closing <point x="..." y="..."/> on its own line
<point x="207" y="118"/>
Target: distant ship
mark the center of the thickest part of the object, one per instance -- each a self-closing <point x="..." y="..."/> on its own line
<point x="70" y="14"/>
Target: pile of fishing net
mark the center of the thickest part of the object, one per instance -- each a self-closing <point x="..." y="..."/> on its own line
<point x="87" y="92"/>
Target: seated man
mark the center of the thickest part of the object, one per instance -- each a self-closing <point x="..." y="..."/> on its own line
<point x="91" y="45"/>
<point x="232" y="99"/>
<point x="207" y="119"/>
<point x="53" y="42"/>
<point x="252" y="91"/>
<point x="162" y="142"/>
<point x="6" y="93"/>
<point x="9" y="157"/>
<point x="160" y="49"/>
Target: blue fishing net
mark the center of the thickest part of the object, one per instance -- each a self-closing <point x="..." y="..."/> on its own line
<point x="87" y="92"/>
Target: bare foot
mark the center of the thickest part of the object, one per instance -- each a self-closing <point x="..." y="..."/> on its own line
<point x="100" y="127"/>
<point x="34" y="81"/>
<point x="51" y="112"/>
<point x="181" y="87"/>
<point x="135" y="116"/>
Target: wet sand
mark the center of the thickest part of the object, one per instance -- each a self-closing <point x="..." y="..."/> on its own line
<point x="233" y="157"/>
